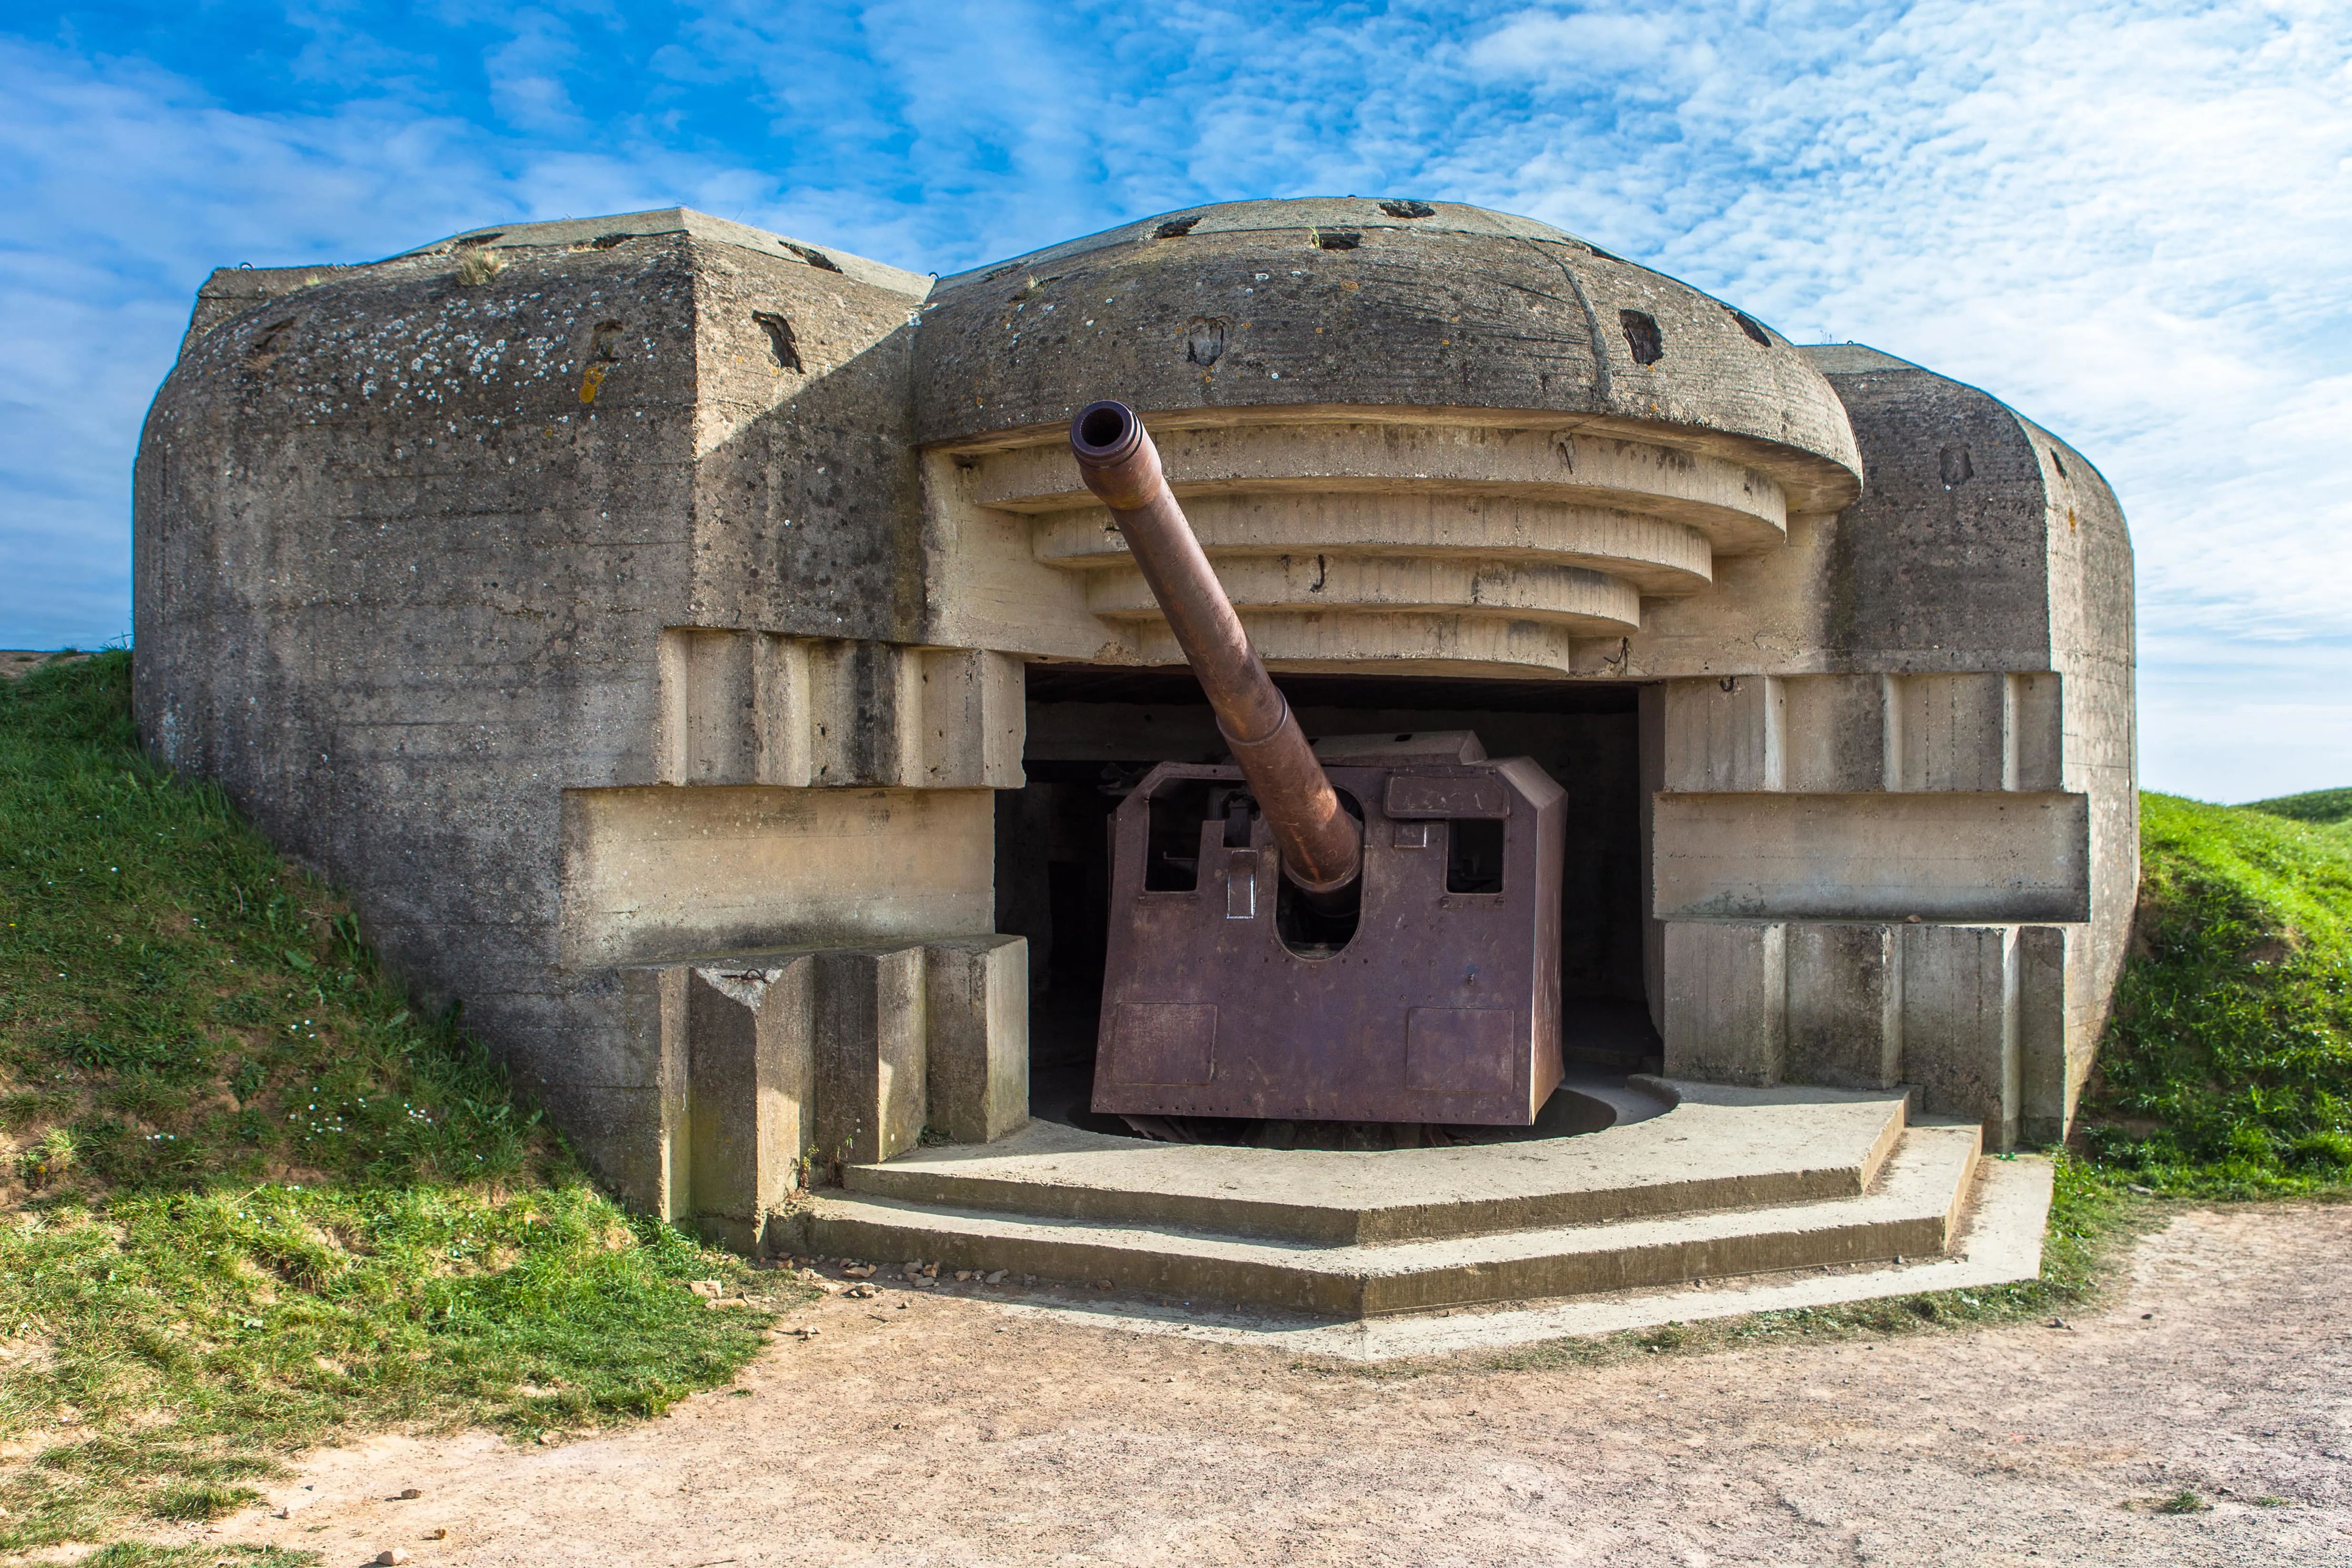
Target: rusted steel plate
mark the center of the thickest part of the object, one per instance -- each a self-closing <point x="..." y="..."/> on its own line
<point x="1442" y="1006"/>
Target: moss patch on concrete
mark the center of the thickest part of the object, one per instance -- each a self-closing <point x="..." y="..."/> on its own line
<point x="251" y="1200"/>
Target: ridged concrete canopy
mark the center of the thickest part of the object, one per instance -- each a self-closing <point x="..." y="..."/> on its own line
<point x="1355" y="302"/>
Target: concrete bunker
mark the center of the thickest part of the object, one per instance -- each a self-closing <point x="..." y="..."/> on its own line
<point x="678" y="640"/>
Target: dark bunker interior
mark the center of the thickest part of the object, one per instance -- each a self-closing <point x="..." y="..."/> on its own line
<point x="1094" y="732"/>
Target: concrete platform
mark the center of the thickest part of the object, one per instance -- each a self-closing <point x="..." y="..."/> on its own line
<point x="1729" y="1182"/>
<point x="1716" y="1147"/>
<point x="1912" y="1212"/>
<point x="2000" y="1240"/>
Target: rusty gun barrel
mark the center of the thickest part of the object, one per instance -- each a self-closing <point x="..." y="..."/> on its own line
<point x="1322" y="846"/>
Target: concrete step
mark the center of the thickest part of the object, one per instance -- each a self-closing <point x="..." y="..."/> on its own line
<point x="1909" y="1211"/>
<point x="1718" y="1148"/>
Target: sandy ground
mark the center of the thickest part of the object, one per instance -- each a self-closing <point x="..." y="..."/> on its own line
<point x="15" y="662"/>
<point x="947" y="1430"/>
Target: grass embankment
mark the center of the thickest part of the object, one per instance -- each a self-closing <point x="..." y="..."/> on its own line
<point x="2227" y="1066"/>
<point x="250" y="1198"/>
<point x="2324" y="806"/>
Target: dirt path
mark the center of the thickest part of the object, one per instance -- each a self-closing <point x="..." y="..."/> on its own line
<point x="15" y="662"/>
<point x="949" y="1431"/>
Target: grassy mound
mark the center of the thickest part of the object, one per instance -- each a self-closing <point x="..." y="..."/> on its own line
<point x="2318" y="806"/>
<point x="250" y="1198"/>
<point x="2227" y="1066"/>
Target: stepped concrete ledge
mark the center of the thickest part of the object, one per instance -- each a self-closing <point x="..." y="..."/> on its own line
<point x="1999" y="1243"/>
<point x="1910" y="1210"/>
<point x="1718" y="1148"/>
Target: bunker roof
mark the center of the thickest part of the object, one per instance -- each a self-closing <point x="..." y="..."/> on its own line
<point x="570" y="232"/>
<point x="1431" y="311"/>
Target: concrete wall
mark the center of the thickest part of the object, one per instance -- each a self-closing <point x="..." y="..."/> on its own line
<point x="653" y="872"/>
<point x="1975" y="1016"/>
<point x="405" y="552"/>
<point x="1943" y="856"/>
<point x="765" y="1073"/>
<point x="1910" y="751"/>
<point x="562" y="618"/>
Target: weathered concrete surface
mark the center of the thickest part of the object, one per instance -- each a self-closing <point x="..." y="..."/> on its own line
<point x="1333" y="301"/>
<point x="1975" y="1017"/>
<point x="1845" y="1005"/>
<point x="1725" y="1008"/>
<point x="644" y="590"/>
<point x="649" y="873"/>
<point x="1457" y="540"/>
<point x="751" y="1086"/>
<point x="1982" y="543"/>
<point x="1998" y="1241"/>
<point x="872" y="1054"/>
<point x="1962" y="1021"/>
<point x="1718" y="1147"/>
<point x="1885" y="856"/>
<point x="977" y="1005"/>
<point x="1894" y="715"/>
<point x="409" y="552"/>
<point x="1455" y="441"/>
<point x="1912" y="1213"/>
<point x="752" y="707"/>
<point x="763" y="1072"/>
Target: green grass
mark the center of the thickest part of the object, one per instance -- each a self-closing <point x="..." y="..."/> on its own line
<point x="2318" y="806"/>
<point x="142" y="1554"/>
<point x="2227" y="1066"/>
<point x="251" y="1200"/>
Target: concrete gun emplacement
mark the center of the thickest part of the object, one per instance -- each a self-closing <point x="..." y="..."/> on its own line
<point x="1365" y="929"/>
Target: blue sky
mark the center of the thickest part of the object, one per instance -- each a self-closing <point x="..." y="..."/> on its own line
<point x="2134" y="221"/>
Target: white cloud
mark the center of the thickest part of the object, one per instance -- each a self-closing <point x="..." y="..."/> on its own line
<point x="526" y="75"/>
<point x="2127" y="219"/>
<point x="125" y="188"/>
<point x="1568" y="52"/>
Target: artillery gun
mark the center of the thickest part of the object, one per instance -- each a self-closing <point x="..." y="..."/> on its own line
<point x="1363" y="930"/>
